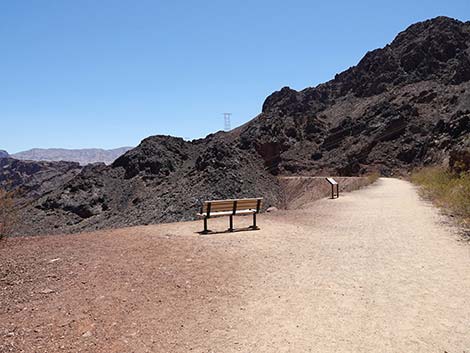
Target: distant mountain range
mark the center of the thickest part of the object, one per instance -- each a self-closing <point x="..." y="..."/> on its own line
<point x="82" y="156"/>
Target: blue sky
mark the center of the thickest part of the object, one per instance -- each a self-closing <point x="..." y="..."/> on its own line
<point x="109" y="73"/>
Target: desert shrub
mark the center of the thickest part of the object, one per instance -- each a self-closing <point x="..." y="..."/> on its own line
<point x="7" y="213"/>
<point x="447" y="188"/>
<point x="459" y="194"/>
<point x="435" y="181"/>
<point x="373" y="177"/>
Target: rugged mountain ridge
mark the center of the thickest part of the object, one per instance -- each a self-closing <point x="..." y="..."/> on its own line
<point x="83" y="156"/>
<point x="402" y="106"/>
<point x="397" y="109"/>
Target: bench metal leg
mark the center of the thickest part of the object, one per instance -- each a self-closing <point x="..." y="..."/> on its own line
<point x="230" y="228"/>
<point x="205" y="231"/>
<point x="254" y="226"/>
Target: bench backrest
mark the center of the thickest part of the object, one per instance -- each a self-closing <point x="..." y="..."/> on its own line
<point x="232" y="205"/>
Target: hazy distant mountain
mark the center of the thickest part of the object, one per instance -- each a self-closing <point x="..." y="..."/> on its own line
<point x="4" y="154"/>
<point x="82" y="156"/>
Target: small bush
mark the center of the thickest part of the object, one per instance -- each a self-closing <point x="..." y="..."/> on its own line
<point x="450" y="190"/>
<point x="7" y="213"/>
<point x="373" y="177"/>
<point x="459" y="195"/>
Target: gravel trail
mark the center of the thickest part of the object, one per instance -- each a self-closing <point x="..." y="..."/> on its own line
<point x="377" y="270"/>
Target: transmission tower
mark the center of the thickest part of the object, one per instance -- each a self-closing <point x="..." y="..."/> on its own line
<point x="227" y="121"/>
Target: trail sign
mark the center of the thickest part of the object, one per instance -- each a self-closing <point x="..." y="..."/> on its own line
<point x="333" y="182"/>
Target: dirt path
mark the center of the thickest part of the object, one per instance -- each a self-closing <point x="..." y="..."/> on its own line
<point x="374" y="271"/>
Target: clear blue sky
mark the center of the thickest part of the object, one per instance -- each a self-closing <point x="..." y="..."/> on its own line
<point x="108" y="73"/>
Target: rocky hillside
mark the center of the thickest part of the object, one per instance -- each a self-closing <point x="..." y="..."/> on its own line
<point x="402" y="106"/>
<point x="33" y="179"/>
<point x="163" y="179"/>
<point x="83" y="156"/>
<point x="4" y="154"/>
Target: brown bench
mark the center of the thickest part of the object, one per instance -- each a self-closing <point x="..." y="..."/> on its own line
<point x="219" y="208"/>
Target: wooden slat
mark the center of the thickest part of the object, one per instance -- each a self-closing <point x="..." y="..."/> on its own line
<point x="253" y="201"/>
<point x="218" y="206"/>
<point x="250" y="198"/>
<point x="222" y="204"/>
<point x="246" y="204"/>
<point x="226" y="213"/>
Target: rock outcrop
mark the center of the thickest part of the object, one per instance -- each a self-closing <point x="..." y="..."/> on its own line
<point x="402" y="106"/>
<point x="34" y="179"/>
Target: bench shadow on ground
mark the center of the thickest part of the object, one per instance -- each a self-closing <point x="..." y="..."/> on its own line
<point x="228" y="231"/>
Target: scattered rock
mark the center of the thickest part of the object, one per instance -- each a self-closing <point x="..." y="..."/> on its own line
<point x="87" y="334"/>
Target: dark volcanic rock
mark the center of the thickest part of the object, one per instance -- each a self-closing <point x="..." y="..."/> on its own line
<point x="32" y="179"/>
<point x="164" y="179"/>
<point x="436" y="49"/>
<point x="155" y="156"/>
<point x="402" y="106"/>
<point x="4" y="154"/>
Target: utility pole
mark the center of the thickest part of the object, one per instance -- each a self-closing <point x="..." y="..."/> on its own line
<point x="227" y="121"/>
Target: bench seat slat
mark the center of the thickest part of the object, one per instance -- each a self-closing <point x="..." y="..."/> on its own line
<point x="215" y="208"/>
<point x="226" y="213"/>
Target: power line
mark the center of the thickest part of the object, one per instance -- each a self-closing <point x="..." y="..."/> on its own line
<point x="227" y="121"/>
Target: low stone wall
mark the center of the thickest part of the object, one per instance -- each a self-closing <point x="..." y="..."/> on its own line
<point x="299" y="191"/>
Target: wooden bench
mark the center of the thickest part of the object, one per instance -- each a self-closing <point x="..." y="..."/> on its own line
<point x="219" y="208"/>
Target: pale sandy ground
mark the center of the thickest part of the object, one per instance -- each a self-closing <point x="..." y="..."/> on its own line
<point x="377" y="270"/>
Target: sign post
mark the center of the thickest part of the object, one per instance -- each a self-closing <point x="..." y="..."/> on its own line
<point x="333" y="183"/>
